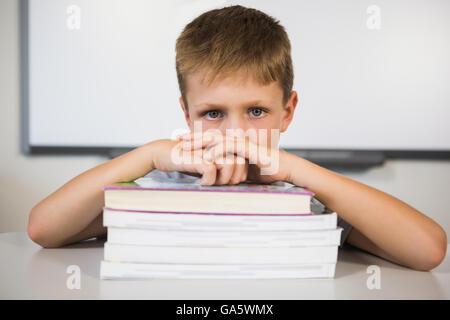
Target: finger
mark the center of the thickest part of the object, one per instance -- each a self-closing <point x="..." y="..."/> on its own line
<point x="225" y="172"/>
<point x="244" y="148"/>
<point x="239" y="168"/>
<point x="190" y="163"/>
<point x="199" y="134"/>
<point x="179" y="137"/>
<point x="201" y="141"/>
<point x="209" y="174"/>
<point x="186" y="136"/>
<point x="245" y="172"/>
<point x="190" y="135"/>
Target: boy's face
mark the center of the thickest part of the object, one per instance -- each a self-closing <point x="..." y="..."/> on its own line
<point x="237" y="102"/>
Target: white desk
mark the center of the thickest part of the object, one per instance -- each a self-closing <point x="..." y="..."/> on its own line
<point x="28" y="271"/>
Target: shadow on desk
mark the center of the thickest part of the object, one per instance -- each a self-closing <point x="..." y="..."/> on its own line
<point x="350" y="259"/>
<point x="47" y="272"/>
<point x="86" y="254"/>
<point x="93" y="243"/>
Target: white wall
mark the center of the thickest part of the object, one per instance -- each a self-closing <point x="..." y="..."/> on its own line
<point x="405" y="60"/>
<point x="25" y="180"/>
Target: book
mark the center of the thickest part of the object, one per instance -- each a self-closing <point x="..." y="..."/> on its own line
<point x="194" y="238"/>
<point x="219" y="255"/>
<point x="153" y="193"/>
<point x="120" y="270"/>
<point x="215" y="222"/>
<point x="169" y="226"/>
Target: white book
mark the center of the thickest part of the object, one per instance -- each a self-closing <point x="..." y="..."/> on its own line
<point x="116" y="270"/>
<point x="222" y="255"/>
<point x="212" y="222"/>
<point x="192" y="238"/>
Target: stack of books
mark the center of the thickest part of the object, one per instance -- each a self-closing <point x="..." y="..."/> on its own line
<point x="180" y="230"/>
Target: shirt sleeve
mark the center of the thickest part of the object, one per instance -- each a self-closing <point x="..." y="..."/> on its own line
<point x="318" y="207"/>
<point x="172" y="176"/>
<point x="347" y="228"/>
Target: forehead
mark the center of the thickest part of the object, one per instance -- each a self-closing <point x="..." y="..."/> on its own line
<point x="230" y="89"/>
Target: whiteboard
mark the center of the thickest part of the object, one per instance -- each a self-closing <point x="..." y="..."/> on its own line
<point x="371" y="75"/>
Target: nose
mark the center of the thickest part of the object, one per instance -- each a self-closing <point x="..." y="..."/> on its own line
<point x="235" y="125"/>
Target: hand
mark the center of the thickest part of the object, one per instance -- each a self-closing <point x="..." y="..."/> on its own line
<point x="266" y="165"/>
<point x="168" y="155"/>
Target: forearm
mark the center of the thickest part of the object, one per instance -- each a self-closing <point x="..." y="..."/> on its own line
<point x="94" y="229"/>
<point x="67" y="212"/>
<point x="404" y="233"/>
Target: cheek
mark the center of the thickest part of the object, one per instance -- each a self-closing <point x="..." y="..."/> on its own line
<point x="268" y="131"/>
<point x="269" y="123"/>
<point x="267" y="137"/>
<point x="203" y="125"/>
<point x="198" y="123"/>
<point x="206" y="125"/>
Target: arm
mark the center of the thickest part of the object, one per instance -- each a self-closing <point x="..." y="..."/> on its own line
<point x="383" y="225"/>
<point x="74" y="211"/>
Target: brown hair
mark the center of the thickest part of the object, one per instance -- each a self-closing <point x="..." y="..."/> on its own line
<point x="235" y="38"/>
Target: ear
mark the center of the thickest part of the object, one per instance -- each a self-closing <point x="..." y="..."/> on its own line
<point x="186" y="113"/>
<point x="288" y="112"/>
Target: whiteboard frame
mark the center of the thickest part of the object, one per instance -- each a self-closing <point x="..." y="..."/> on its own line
<point x="341" y="158"/>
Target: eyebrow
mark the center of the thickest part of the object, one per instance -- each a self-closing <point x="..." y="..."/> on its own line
<point x="245" y="104"/>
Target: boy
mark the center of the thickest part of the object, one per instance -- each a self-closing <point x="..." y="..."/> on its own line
<point x="235" y="73"/>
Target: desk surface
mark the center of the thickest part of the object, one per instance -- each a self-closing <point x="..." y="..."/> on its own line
<point x="27" y="271"/>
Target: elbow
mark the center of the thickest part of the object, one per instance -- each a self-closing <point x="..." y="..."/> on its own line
<point x="37" y="232"/>
<point x="435" y="252"/>
<point x="435" y="257"/>
<point x="36" y="235"/>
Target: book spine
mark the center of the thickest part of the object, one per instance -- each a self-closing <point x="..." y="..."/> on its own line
<point x="224" y="238"/>
<point x="217" y="222"/>
<point x="203" y="255"/>
<point x="114" y="270"/>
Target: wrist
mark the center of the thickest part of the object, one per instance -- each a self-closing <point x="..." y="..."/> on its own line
<point x="153" y="150"/>
<point x="159" y="153"/>
<point x="295" y="168"/>
<point x="149" y="150"/>
<point x="285" y="166"/>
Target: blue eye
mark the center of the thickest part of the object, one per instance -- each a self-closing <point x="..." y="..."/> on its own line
<point x="257" y="112"/>
<point x="213" y="114"/>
